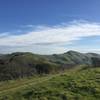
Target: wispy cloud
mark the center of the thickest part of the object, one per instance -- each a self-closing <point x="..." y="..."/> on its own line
<point x="46" y="35"/>
<point x="5" y="34"/>
<point x="27" y="26"/>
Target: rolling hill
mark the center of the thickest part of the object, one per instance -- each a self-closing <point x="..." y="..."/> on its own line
<point x="19" y="65"/>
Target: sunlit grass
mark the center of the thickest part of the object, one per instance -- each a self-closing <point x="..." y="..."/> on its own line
<point x="77" y="84"/>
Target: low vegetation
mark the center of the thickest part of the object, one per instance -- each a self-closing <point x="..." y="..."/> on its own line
<point x="80" y="83"/>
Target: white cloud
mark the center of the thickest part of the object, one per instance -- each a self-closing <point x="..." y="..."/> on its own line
<point x="4" y="34"/>
<point x="45" y="35"/>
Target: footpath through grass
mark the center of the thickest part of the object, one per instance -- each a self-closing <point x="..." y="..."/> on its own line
<point x="76" y="84"/>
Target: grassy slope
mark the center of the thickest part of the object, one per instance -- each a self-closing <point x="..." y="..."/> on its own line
<point x="76" y="84"/>
<point x="20" y="65"/>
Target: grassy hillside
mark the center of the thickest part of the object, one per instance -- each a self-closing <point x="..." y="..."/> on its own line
<point x="19" y="65"/>
<point x="80" y="83"/>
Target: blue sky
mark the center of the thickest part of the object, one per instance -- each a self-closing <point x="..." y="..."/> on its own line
<point x="49" y="26"/>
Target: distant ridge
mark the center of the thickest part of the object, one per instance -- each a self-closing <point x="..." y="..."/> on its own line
<point x="23" y="64"/>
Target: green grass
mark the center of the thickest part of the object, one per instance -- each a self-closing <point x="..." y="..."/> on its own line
<point x="75" y="84"/>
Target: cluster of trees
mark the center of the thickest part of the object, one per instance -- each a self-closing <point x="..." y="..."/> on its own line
<point x="95" y="62"/>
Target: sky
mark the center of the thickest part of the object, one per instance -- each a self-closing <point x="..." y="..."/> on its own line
<point x="49" y="26"/>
